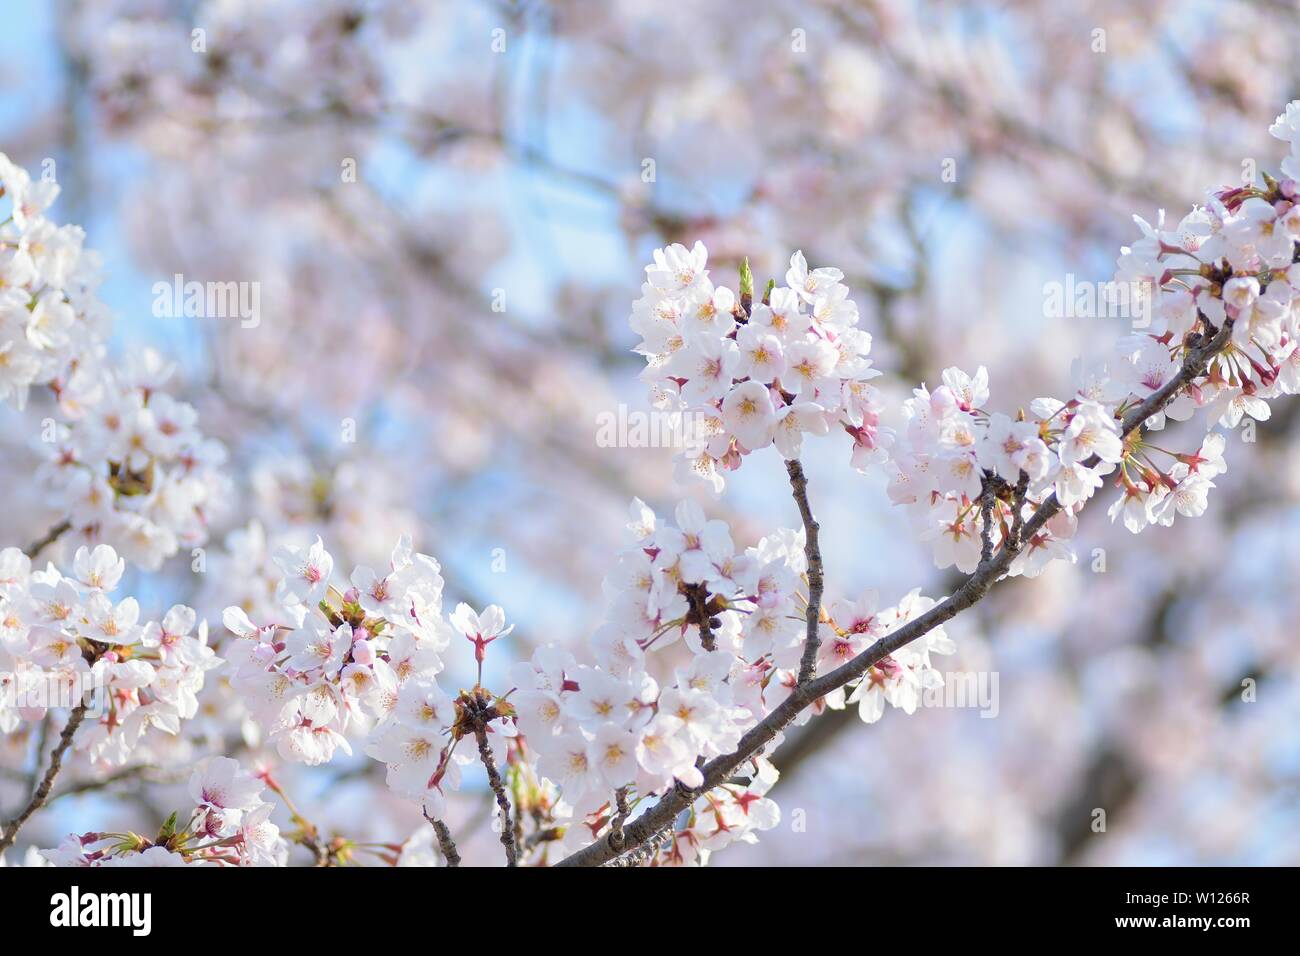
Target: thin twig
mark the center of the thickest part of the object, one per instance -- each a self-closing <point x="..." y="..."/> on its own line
<point x="621" y="812"/>
<point x="700" y="603"/>
<point x="986" y="520"/>
<point x="498" y="788"/>
<point x="144" y="774"/>
<point x="519" y="822"/>
<point x="43" y="542"/>
<point x="42" y="741"/>
<point x="47" y="782"/>
<point x="971" y="591"/>
<point x="1018" y="509"/>
<point x="307" y="834"/>
<point x="812" y="550"/>
<point x="445" y="843"/>
<point x="548" y="835"/>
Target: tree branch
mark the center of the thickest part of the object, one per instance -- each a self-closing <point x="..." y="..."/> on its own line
<point x="812" y="551"/>
<point x="645" y="852"/>
<point x="498" y="788"/>
<point x="971" y="590"/>
<point x="445" y="843"/>
<point x="42" y="791"/>
<point x="986" y="519"/>
<point x="144" y="774"/>
<point x="47" y="539"/>
<point x="621" y="813"/>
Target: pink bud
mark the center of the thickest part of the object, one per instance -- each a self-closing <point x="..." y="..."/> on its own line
<point x="363" y="652"/>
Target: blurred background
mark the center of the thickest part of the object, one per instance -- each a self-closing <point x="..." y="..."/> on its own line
<point x="463" y="300"/>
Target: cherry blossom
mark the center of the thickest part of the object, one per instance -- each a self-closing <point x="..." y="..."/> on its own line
<point x="229" y="826"/>
<point x="66" y="642"/>
<point x="767" y="371"/>
<point x="702" y="629"/>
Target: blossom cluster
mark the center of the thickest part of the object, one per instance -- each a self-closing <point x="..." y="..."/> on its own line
<point x="753" y="374"/>
<point x="127" y="465"/>
<point x="1227" y="270"/>
<point x="599" y="729"/>
<point x="740" y="613"/>
<point x="229" y="826"/>
<point x="52" y="326"/>
<point x="325" y="662"/>
<point x="418" y="739"/>
<point x="954" y="450"/>
<point x="321" y="661"/>
<point x="64" y="640"/>
<point x="952" y="447"/>
<point x="134" y="471"/>
<point x="701" y="639"/>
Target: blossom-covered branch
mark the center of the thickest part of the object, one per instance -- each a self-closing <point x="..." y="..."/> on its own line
<point x="656" y="745"/>
<point x="971" y="591"/>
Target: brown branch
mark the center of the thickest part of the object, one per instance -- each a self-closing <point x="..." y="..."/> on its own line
<point x="811" y="550"/>
<point x="707" y="640"/>
<point x="498" y="788"/>
<point x="646" y="852"/>
<point x="445" y="843"/>
<point x="319" y="854"/>
<point x="307" y="834"/>
<point x="1018" y="509"/>
<point x="972" y="590"/>
<point x="548" y="835"/>
<point x="699" y="600"/>
<point x="144" y="774"/>
<point x="47" y="539"/>
<point x="42" y="741"/>
<point x="621" y="813"/>
<point x="42" y="791"/>
<point x="986" y="516"/>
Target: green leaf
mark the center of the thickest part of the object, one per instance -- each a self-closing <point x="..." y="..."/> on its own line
<point x="168" y="829"/>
